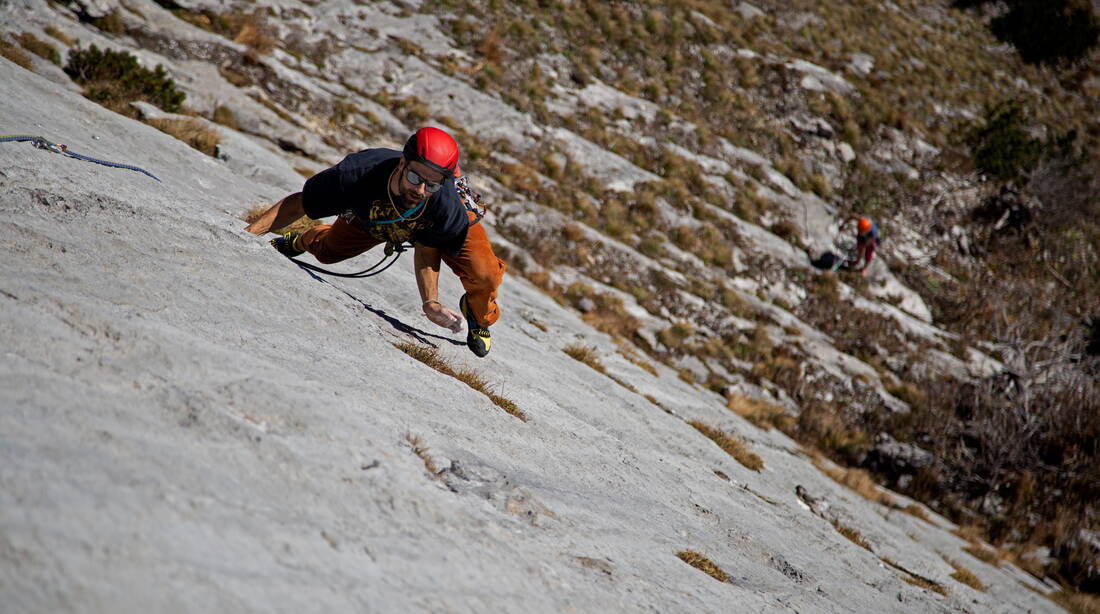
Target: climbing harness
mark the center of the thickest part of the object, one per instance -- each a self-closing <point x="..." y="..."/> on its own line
<point x="63" y="149"/>
<point x="392" y="249"/>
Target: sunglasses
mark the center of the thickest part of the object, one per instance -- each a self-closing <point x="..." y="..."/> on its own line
<point x="430" y="186"/>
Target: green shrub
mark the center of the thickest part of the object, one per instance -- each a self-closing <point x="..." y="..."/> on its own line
<point x="114" y="79"/>
<point x="1001" y="146"/>
<point x="1044" y="31"/>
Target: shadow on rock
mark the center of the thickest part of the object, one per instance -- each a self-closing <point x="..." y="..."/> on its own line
<point x="398" y="325"/>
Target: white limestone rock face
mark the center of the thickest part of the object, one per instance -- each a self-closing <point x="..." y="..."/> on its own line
<point x="189" y="422"/>
<point x="95" y="9"/>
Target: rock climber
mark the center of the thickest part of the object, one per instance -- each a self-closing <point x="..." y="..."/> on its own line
<point x="389" y="196"/>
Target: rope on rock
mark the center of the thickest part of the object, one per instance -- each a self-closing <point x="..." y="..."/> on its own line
<point x="392" y="249"/>
<point x="63" y="149"/>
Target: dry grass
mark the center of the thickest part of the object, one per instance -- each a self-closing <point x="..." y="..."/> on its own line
<point x="916" y="580"/>
<point x="703" y="564"/>
<point x="191" y="131"/>
<point x="965" y="576"/>
<point x="1077" y="603"/>
<point x="225" y="116"/>
<point x="41" y="48"/>
<point x="16" y="55"/>
<point x="731" y="445"/>
<point x="986" y="555"/>
<point x="761" y="413"/>
<point x="858" y="480"/>
<point x="632" y="356"/>
<point x="586" y="354"/>
<point x="432" y="358"/>
<point x="917" y="511"/>
<point x="59" y="35"/>
<point x="925" y="583"/>
<point x="852" y="535"/>
<point x="420" y="449"/>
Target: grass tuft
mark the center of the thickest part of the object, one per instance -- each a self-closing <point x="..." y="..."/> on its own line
<point x="858" y="480"/>
<point x="983" y="554"/>
<point x="917" y="511"/>
<point x="190" y="131"/>
<point x="60" y="36"/>
<point x="732" y="446"/>
<point x="966" y="576"/>
<point x="432" y="358"/>
<point x="916" y="580"/>
<point x="586" y="354"/>
<point x="852" y="535"/>
<point x="15" y="55"/>
<point x="41" y="48"/>
<point x="761" y="413"/>
<point x="1077" y="603"/>
<point x="420" y="449"/>
<point x="703" y="564"/>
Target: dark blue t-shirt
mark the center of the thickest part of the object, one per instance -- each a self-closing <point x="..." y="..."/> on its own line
<point x="360" y="184"/>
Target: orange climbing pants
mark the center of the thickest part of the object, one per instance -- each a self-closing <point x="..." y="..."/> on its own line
<point x="477" y="267"/>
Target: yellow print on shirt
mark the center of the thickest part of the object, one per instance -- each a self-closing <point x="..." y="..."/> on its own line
<point x="399" y="232"/>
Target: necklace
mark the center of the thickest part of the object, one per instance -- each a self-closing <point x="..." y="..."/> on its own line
<point x="402" y="216"/>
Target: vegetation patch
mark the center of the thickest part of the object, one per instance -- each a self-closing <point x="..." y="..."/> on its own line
<point x="858" y="480"/>
<point x="586" y="354"/>
<point x="915" y="579"/>
<point x="917" y="511"/>
<point x="703" y="564"/>
<point x="420" y="449"/>
<point x="966" y="576"/>
<point x="432" y="358"/>
<point x="983" y="554"/>
<point x="114" y="79"/>
<point x="730" y="444"/>
<point x="761" y="413"/>
<point x="1077" y="603"/>
<point x="1045" y="31"/>
<point x="39" y="47"/>
<point x="852" y="535"/>
<point x="59" y="35"/>
<point x="190" y="131"/>
<point x="15" y="55"/>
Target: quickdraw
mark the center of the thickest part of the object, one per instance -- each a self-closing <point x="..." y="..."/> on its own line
<point x="63" y="149"/>
<point x="470" y="199"/>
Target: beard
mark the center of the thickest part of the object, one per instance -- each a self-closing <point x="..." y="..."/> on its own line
<point x="409" y="198"/>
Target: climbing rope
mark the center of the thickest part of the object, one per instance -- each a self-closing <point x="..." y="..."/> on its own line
<point x="392" y="249"/>
<point x="63" y="149"/>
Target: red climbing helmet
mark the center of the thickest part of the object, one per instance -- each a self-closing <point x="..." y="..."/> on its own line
<point x="864" y="225"/>
<point x="433" y="148"/>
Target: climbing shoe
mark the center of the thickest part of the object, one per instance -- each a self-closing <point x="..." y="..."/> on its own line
<point x="477" y="337"/>
<point x="287" y="244"/>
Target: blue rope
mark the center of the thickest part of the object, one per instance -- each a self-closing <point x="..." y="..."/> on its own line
<point x="42" y="143"/>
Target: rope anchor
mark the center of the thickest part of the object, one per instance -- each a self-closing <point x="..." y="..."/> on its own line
<point x="61" y="148"/>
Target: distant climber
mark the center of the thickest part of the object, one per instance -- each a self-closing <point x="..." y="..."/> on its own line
<point x="867" y="239"/>
<point x="389" y="196"/>
<point x="855" y="257"/>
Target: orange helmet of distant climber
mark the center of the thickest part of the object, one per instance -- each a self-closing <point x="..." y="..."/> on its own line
<point x="864" y="225"/>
